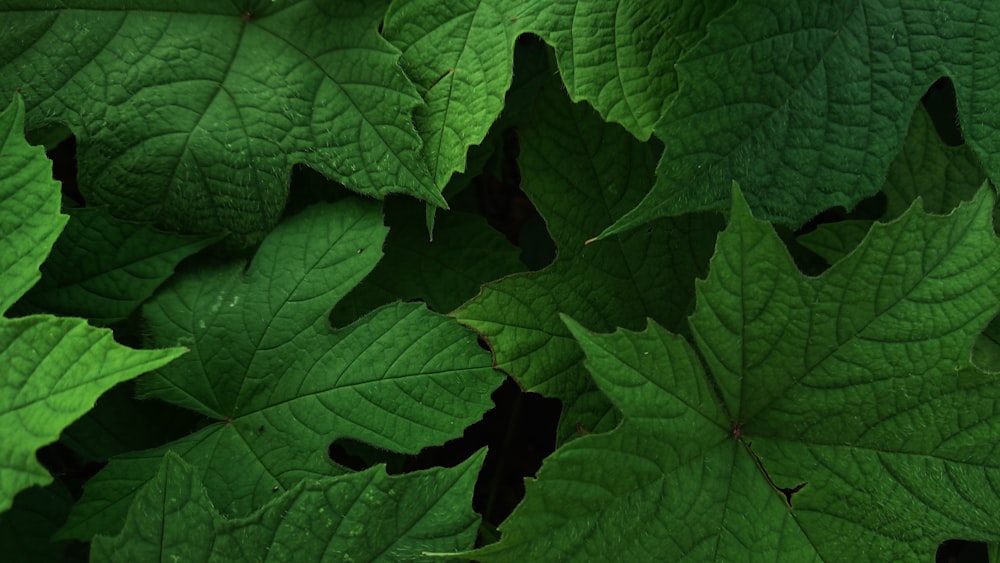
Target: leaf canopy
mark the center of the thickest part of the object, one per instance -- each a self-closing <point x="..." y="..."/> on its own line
<point x="806" y="103"/>
<point x="610" y="283"/>
<point x="54" y="369"/>
<point x="617" y="56"/>
<point x="193" y="114"/>
<point x="173" y="519"/>
<point x="280" y="384"/>
<point x="824" y="428"/>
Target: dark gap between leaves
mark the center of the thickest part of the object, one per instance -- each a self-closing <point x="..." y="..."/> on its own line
<point x="520" y="431"/>
<point x="941" y="104"/>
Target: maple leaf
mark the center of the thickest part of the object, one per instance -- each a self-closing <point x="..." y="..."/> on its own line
<point x="838" y="418"/>
<point x="280" y="384"/>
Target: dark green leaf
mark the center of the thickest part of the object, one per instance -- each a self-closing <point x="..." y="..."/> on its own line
<point x="368" y="516"/>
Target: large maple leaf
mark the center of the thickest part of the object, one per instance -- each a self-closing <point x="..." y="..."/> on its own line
<point x="838" y="419"/>
<point x="280" y="384"/>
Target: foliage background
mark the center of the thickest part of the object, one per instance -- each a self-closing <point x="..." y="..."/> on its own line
<point x="255" y="182"/>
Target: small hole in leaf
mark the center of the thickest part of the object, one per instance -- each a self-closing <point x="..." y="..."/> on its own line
<point x="789" y="493"/>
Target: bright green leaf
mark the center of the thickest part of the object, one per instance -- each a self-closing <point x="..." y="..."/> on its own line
<point x="365" y="516"/>
<point x="460" y="54"/>
<point x="280" y="383"/>
<point x="607" y="284"/>
<point x="193" y="114"/>
<point x="806" y="103"/>
<point x="102" y="268"/>
<point x="839" y="419"/>
<point x="52" y="369"/>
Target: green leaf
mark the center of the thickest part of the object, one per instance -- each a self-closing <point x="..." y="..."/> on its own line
<point x="620" y="56"/>
<point x="193" y="115"/>
<point x="940" y="175"/>
<point x="365" y="516"/>
<point x="839" y="418"/>
<point x="445" y="272"/>
<point x="612" y="283"/>
<point x="29" y="207"/>
<point x="460" y="54"/>
<point x="280" y="384"/>
<point x="102" y="268"/>
<point x="53" y="368"/>
<point x="986" y="352"/>
<point x="805" y="104"/>
<point x="617" y="56"/>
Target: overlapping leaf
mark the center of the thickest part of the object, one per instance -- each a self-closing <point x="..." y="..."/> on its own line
<point x="192" y="114"/>
<point x="839" y="418"/>
<point x="102" y="268"/>
<point x="570" y="155"/>
<point x="940" y="175"/>
<point x="26" y="529"/>
<point x="364" y="516"/>
<point x="619" y="56"/>
<point x="806" y="103"/>
<point x="120" y="423"/>
<point x="280" y="383"/>
<point x="53" y="369"/>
